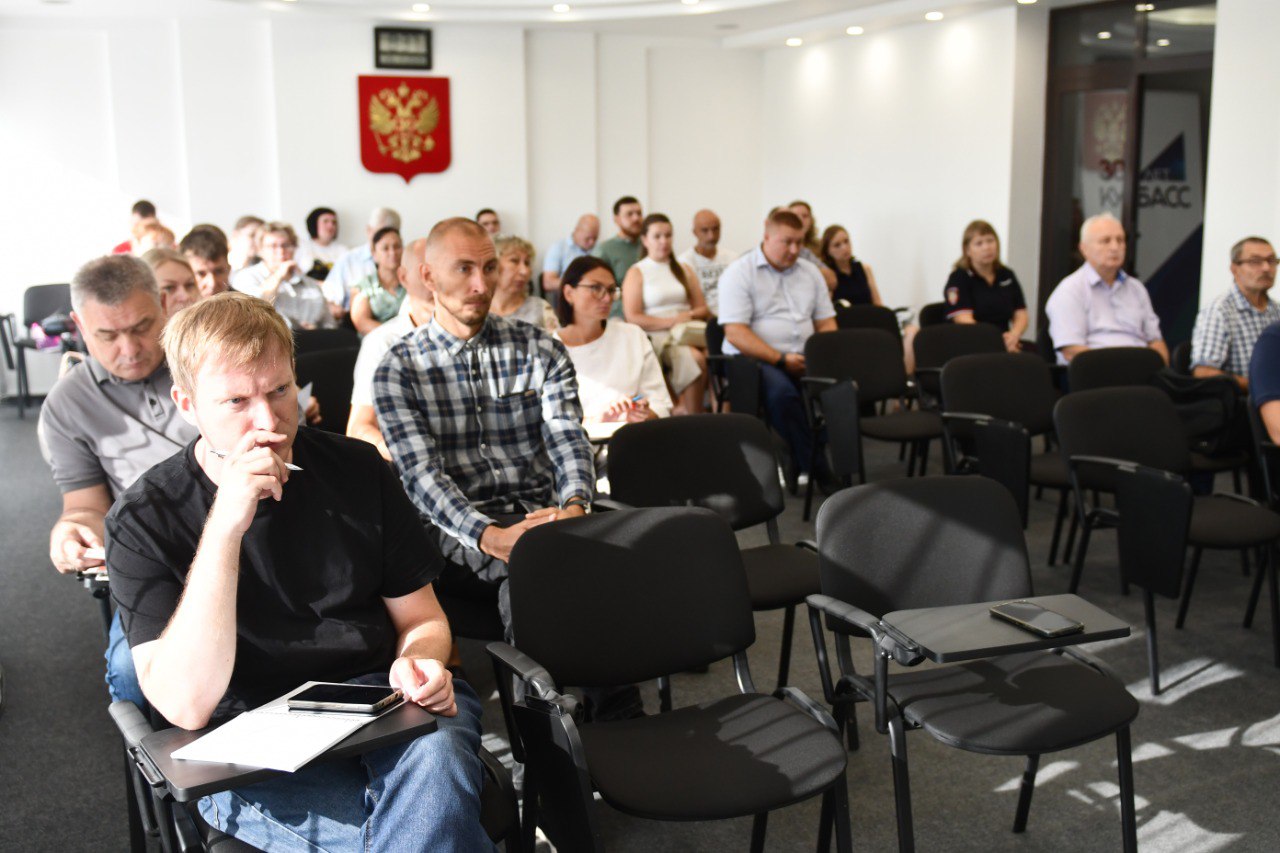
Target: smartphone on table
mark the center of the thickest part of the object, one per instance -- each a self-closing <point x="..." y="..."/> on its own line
<point x="345" y="698"/>
<point x="1038" y="620"/>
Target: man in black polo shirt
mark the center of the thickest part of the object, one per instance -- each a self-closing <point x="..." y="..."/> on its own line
<point x="238" y="579"/>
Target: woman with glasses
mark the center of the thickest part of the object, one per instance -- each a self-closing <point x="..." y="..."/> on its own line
<point x="619" y="378"/>
<point x="511" y="297"/>
<point x="278" y="279"/>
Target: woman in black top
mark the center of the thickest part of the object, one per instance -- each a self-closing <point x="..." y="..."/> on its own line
<point x="855" y="282"/>
<point x="983" y="290"/>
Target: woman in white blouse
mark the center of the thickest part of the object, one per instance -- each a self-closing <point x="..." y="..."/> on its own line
<point x="659" y="294"/>
<point x="619" y="378"/>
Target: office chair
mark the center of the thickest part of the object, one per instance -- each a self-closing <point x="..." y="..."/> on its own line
<point x="625" y="597"/>
<point x="38" y="302"/>
<point x="1111" y="367"/>
<point x="874" y="561"/>
<point x="933" y="314"/>
<point x="330" y="373"/>
<point x="937" y="345"/>
<point x="990" y="447"/>
<point x="315" y="340"/>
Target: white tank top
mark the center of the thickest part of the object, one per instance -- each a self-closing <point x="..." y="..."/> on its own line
<point x="664" y="295"/>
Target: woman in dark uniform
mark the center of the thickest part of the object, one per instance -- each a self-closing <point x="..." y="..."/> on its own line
<point x="983" y="290"/>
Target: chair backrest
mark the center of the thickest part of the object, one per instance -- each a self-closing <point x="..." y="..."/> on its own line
<point x="623" y="597"/>
<point x="922" y="542"/>
<point x="868" y="317"/>
<point x="840" y="410"/>
<point x="41" y="300"/>
<point x="937" y="345"/>
<point x="870" y="357"/>
<point x="8" y="338"/>
<point x="993" y="448"/>
<point x="742" y="373"/>
<point x="725" y="463"/>
<point x="1011" y="386"/>
<point x="1113" y="366"/>
<point x="1130" y="424"/>
<point x="330" y="373"/>
<point x="1266" y="456"/>
<point x="933" y="314"/>
<point x="1180" y="358"/>
<point x="715" y="337"/>
<point x="317" y="340"/>
<point x="1155" y="515"/>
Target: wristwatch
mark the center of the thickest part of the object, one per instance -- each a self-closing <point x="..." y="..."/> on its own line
<point x="579" y="500"/>
<point x="781" y="363"/>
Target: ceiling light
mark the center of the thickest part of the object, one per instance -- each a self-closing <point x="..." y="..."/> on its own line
<point x="1145" y="7"/>
<point x="1026" y="2"/>
<point x="689" y="2"/>
<point x="422" y="7"/>
<point x="933" y="16"/>
<point x="854" y="31"/>
<point x="560" y="8"/>
<point x="794" y="42"/>
<point x="1104" y="35"/>
<point x="1162" y="42"/>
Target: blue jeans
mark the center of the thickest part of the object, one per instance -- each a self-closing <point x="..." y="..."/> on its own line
<point x="419" y="795"/>
<point x="784" y="406"/>
<point x="122" y="679"/>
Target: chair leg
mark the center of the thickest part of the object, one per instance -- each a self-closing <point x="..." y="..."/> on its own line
<point x="1244" y="561"/>
<point x="758" y="827"/>
<point x="1027" y="788"/>
<point x="784" y="662"/>
<point x="911" y="460"/>
<point x="901" y="784"/>
<point x="1069" y="549"/>
<point x="22" y="383"/>
<point x="844" y="832"/>
<point x="1128" y="816"/>
<point x="924" y="457"/>
<point x="664" y="694"/>
<point x="1153" y="656"/>
<point x="1274" y="585"/>
<point x="813" y="475"/>
<point x="1235" y="480"/>
<point x="1192" y="570"/>
<point x="137" y="832"/>
<point x="824" y="822"/>
<point x="1255" y="593"/>
<point x="1078" y="568"/>
<point x="1058" y="521"/>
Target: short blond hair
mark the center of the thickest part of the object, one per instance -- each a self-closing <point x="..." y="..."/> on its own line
<point x="511" y="243"/>
<point x="236" y="327"/>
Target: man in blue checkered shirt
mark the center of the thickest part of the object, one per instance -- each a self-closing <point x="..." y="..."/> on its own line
<point x="482" y="419"/>
<point x="1229" y="326"/>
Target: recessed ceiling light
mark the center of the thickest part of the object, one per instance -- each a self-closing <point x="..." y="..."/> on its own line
<point x="1162" y="42"/>
<point x="422" y="7"/>
<point x="794" y="42"/>
<point x="689" y="2"/>
<point x="1145" y="7"/>
<point x="1026" y="2"/>
<point x="560" y="8"/>
<point x="933" y="16"/>
<point x="1104" y="35"/>
<point x="854" y="31"/>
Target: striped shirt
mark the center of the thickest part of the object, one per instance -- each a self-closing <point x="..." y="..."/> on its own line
<point x="476" y="427"/>
<point x="1226" y="331"/>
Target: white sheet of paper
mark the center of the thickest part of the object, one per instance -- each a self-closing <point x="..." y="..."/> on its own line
<point x="273" y="736"/>
<point x="95" y="553"/>
<point x="304" y="397"/>
<point x="603" y="430"/>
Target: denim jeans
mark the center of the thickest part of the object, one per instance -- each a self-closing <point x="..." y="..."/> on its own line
<point x="784" y="405"/>
<point x="122" y="679"/>
<point x="419" y="795"/>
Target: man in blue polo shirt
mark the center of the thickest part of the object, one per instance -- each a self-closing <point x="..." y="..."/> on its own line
<point x="771" y="301"/>
<point x="566" y="251"/>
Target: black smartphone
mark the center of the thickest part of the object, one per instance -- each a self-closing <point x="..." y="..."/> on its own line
<point x="1038" y="620"/>
<point x="345" y="698"/>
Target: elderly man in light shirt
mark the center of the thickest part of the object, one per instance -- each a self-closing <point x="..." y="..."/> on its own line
<point x="1100" y="305"/>
<point x="771" y="301"/>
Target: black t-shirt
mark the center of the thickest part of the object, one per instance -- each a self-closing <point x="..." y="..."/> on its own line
<point x="314" y="566"/>
<point x="990" y="303"/>
<point x="853" y="286"/>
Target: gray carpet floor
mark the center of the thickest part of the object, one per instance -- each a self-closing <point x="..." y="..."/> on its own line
<point x="1207" y="751"/>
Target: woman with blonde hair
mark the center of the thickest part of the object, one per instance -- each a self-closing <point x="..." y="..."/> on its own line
<point x="175" y="277"/>
<point x="511" y="298"/>
<point x="981" y="289"/>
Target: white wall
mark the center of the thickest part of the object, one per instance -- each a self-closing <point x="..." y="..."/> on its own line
<point x="903" y="137"/>
<point x="1243" y="182"/>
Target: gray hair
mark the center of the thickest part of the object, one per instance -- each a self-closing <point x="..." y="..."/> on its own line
<point x="111" y="280"/>
<point x="384" y="217"/>
<point x="1238" y="249"/>
<point x="1097" y="217"/>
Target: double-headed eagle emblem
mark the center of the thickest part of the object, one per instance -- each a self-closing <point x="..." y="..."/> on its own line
<point x="402" y="120"/>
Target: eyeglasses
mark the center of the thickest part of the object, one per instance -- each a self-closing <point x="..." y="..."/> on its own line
<point x="1256" y="262"/>
<point x="600" y="290"/>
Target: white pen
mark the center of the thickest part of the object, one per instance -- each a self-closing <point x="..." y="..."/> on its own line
<point x="222" y="454"/>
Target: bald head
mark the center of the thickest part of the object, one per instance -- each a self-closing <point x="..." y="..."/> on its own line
<point x="411" y="270"/>
<point x="586" y="232"/>
<point x="446" y="228"/>
<point x="706" y="230"/>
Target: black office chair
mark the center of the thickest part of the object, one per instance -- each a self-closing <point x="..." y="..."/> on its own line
<point x="38" y="302"/>
<point x="1014" y="387"/>
<point x="874" y="561"/>
<point x="990" y="447"/>
<point x="317" y="340"/>
<point x="727" y="464"/>
<point x="1180" y="358"/>
<point x="835" y="409"/>
<point x="868" y="317"/>
<point x="330" y="372"/>
<point x="1113" y="366"/>
<point x="625" y="597"/>
<point x="1140" y="426"/>
<point x="937" y="345"/>
<point x="933" y="314"/>
<point x="1155" y="516"/>
<point x="872" y="358"/>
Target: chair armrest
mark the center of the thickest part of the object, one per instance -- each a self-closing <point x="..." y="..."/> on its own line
<point x="1244" y="499"/>
<point x="609" y="505"/>
<point x="928" y="371"/>
<point x="846" y="613"/>
<point x="1074" y="462"/>
<point x="818" y="382"/>
<point x="808" y="545"/>
<point x="1089" y="660"/>
<point x="522" y="666"/>
<point x="973" y="417"/>
<point x="131" y="722"/>
<point x="797" y="697"/>
<point x="902" y="309"/>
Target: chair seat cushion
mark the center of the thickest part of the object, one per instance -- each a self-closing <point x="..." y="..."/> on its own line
<point x="902" y="426"/>
<point x="1015" y="704"/>
<point x="780" y="575"/>
<point x="729" y="758"/>
<point x="1218" y="522"/>
<point x="1200" y="462"/>
<point x="1049" y="470"/>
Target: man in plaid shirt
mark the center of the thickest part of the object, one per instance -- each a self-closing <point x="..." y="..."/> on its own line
<point x="1229" y="326"/>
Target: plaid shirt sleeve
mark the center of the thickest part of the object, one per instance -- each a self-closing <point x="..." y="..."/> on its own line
<point x="1211" y="340"/>
<point x="414" y="451"/>
<point x="562" y="431"/>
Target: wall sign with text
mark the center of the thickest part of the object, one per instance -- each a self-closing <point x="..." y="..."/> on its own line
<point x="404" y="48"/>
<point x="404" y="125"/>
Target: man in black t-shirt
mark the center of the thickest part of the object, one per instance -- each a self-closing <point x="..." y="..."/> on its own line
<point x="239" y="577"/>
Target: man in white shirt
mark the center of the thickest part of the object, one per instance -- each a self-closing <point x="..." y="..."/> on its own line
<point x="706" y="258"/>
<point x="358" y="263"/>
